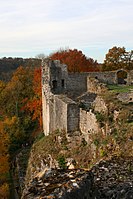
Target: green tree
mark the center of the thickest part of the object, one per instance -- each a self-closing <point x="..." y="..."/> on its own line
<point x="19" y="88"/>
<point x="129" y="60"/>
<point x="118" y="58"/>
<point x="13" y="96"/>
<point x="114" y="58"/>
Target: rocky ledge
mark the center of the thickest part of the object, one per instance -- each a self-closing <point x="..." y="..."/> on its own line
<point x="112" y="179"/>
<point x="63" y="184"/>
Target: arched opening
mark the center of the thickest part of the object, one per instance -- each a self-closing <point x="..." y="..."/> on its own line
<point x="121" y="77"/>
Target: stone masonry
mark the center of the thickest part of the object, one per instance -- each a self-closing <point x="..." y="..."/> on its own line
<point x="67" y="97"/>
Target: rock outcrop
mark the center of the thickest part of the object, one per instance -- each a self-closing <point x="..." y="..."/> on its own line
<point x="110" y="179"/>
<point x="63" y="184"/>
<point x="113" y="179"/>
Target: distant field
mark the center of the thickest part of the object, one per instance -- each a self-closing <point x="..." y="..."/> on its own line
<point x="120" y="88"/>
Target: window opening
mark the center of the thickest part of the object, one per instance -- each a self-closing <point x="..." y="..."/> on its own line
<point x="54" y="84"/>
<point x="62" y="83"/>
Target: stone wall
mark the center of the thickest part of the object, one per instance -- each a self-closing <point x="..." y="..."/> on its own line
<point x="88" y="123"/>
<point x="108" y="77"/>
<point x="46" y="95"/>
<point x="88" y="119"/>
<point x="128" y="80"/>
<point x="94" y="86"/>
<point x="64" y="114"/>
<point x="77" y="82"/>
<point x="45" y="114"/>
<point x="59" y="75"/>
<point x="54" y="81"/>
<point x="126" y="97"/>
<point x="100" y="105"/>
<point x="72" y="117"/>
<point x="131" y="77"/>
<point x="59" y="114"/>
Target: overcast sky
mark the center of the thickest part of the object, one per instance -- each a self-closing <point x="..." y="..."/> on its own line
<point x="31" y="27"/>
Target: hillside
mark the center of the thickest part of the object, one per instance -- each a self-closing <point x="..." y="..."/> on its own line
<point x="76" y="164"/>
<point x="9" y="65"/>
<point x="107" y="155"/>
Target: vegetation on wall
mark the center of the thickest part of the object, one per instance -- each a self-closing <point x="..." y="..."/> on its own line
<point x="113" y="139"/>
<point x="119" y="120"/>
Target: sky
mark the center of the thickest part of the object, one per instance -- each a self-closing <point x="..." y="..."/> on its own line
<point x="32" y="27"/>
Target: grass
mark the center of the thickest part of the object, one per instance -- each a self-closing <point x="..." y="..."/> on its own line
<point x="120" y="88"/>
<point x="118" y="141"/>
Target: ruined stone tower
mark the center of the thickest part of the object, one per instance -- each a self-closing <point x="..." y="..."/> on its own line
<point x="54" y="78"/>
<point x="59" y="111"/>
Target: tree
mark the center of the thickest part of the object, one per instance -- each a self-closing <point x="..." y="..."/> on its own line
<point x="16" y="123"/>
<point x="75" y="60"/>
<point x="41" y="56"/>
<point x="2" y="86"/>
<point x="118" y="58"/>
<point x="4" y="162"/>
<point x="16" y="90"/>
<point x="9" y="65"/>
<point x="4" y="191"/>
<point x="129" y="60"/>
<point x="34" y="104"/>
<point x="13" y="96"/>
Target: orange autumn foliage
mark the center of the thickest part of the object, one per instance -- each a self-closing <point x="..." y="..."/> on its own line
<point x="34" y="105"/>
<point x="4" y="162"/>
<point x="75" y="60"/>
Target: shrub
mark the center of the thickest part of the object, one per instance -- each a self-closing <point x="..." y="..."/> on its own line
<point x="103" y="152"/>
<point x="96" y="142"/>
<point x="62" y="162"/>
<point x="100" y="117"/>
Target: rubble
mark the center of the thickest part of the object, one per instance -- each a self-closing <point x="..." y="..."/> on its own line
<point x="113" y="179"/>
<point x="110" y="179"/>
<point x="63" y="184"/>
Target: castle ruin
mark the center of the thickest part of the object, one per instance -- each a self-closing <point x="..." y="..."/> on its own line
<point x="67" y="97"/>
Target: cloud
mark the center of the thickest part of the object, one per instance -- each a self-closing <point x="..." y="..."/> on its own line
<point x="36" y="25"/>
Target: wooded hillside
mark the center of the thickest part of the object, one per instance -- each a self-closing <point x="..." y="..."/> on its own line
<point x="9" y="65"/>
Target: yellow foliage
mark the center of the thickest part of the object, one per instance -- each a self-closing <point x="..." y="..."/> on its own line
<point x="4" y="191"/>
<point x="10" y="121"/>
<point x="4" y="138"/>
<point x="4" y="166"/>
<point x="4" y="156"/>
